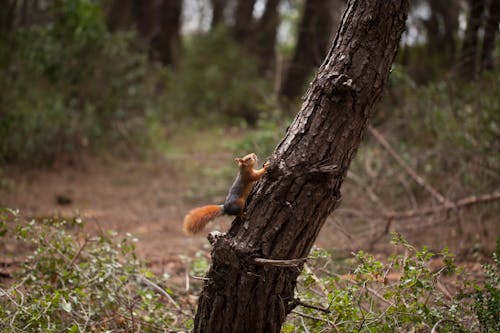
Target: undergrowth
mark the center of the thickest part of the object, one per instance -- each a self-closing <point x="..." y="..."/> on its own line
<point x="65" y="90"/>
<point x="211" y="87"/>
<point x="416" y="290"/>
<point x="79" y="283"/>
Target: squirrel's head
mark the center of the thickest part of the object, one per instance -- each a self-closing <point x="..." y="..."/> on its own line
<point x="248" y="160"/>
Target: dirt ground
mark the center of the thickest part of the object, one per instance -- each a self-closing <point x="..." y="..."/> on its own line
<point x="126" y="196"/>
<point x="144" y="198"/>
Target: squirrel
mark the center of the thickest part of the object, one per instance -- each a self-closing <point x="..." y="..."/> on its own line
<point x="199" y="217"/>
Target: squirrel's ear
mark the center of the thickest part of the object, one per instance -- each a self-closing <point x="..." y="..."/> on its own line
<point x="238" y="160"/>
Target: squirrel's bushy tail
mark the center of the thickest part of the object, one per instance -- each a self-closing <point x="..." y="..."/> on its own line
<point x="198" y="218"/>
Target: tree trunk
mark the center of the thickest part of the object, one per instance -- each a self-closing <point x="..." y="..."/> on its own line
<point x="290" y="204"/>
<point x="470" y="50"/>
<point x="7" y="17"/>
<point x="218" y="7"/>
<point x="442" y="27"/>
<point x="490" y="33"/>
<point x="315" y="30"/>
<point x="243" y="20"/>
<point x="145" y="12"/>
<point x="264" y="43"/>
<point x="119" y="15"/>
<point x="167" y="41"/>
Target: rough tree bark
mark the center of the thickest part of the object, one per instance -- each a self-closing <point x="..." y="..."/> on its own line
<point x="315" y="30"/>
<point x="290" y="204"/>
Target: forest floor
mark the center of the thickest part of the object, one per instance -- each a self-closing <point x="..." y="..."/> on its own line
<point x="145" y="199"/>
<point x="141" y="198"/>
<point x="149" y="198"/>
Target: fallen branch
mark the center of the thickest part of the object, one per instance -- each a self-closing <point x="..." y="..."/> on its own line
<point x="467" y="201"/>
<point x="409" y="214"/>
<point x="421" y="181"/>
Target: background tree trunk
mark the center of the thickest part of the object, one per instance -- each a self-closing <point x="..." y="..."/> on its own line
<point x="291" y="203"/>
<point x="442" y="28"/>
<point x="218" y="7"/>
<point x="7" y="17"/>
<point x="264" y="36"/>
<point x="119" y="15"/>
<point x="490" y="33"/>
<point x="167" y="41"/>
<point x="315" y="30"/>
<point x="145" y="13"/>
<point x="470" y="48"/>
<point x="243" y="20"/>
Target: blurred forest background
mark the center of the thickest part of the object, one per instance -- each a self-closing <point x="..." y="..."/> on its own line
<point x="193" y="83"/>
<point x="128" y="113"/>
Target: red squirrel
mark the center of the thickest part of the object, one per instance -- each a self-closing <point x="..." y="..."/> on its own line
<point x="198" y="218"/>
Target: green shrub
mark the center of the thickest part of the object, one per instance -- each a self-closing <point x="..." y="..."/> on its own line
<point x="71" y="84"/>
<point x="79" y="283"/>
<point x="487" y="297"/>
<point x="76" y="283"/>
<point x="403" y="295"/>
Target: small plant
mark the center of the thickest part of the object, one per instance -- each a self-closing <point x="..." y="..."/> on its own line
<point x="405" y="294"/>
<point x="76" y="283"/>
<point x="487" y="297"/>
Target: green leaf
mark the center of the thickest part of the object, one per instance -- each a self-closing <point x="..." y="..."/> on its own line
<point x="66" y="306"/>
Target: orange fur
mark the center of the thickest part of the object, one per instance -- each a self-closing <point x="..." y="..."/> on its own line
<point x="199" y="217"/>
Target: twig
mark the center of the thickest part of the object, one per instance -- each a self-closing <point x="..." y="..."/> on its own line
<point x="384" y="232"/>
<point x="340" y="227"/>
<point x="310" y="306"/>
<point x="409" y="192"/>
<point x="320" y="284"/>
<point x="310" y="317"/>
<point x="159" y="289"/>
<point x="187" y="280"/>
<point x="421" y="181"/>
<point x="77" y="254"/>
<point x="280" y="263"/>
<point x="433" y="330"/>
<point x="161" y="329"/>
<point x="367" y="190"/>
<point x="199" y="278"/>
<point x="304" y="325"/>
<point x="380" y="297"/>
